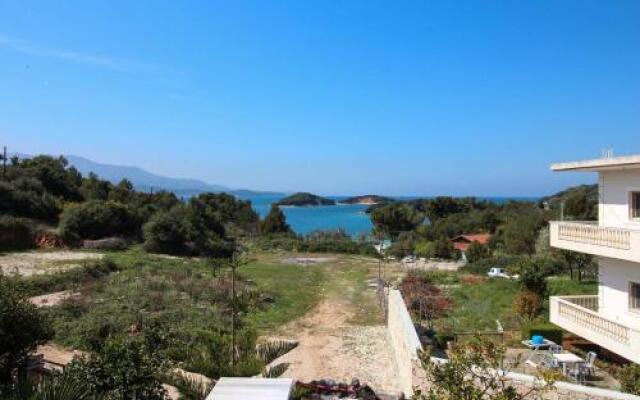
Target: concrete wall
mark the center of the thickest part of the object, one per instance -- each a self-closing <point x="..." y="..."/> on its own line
<point x="614" y="198"/>
<point x="615" y="276"/>
<point x="405" y="343"/>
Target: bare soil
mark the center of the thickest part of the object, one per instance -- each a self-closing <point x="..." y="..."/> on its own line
<point x="52" y="299"/>
<point x="332" y="348"/>
<point x="41" y="262"/>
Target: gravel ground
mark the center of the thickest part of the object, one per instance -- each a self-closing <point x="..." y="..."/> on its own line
<point x="330" y="348"/>
<point x="41" y="262"/>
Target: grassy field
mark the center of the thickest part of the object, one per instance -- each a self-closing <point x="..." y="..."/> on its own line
<point x="478" y="305"/>
<point x="184" y="294"/>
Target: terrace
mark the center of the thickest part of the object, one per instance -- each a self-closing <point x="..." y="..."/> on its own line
<point x="580" y="315"/>
<point x="590" y="238"/>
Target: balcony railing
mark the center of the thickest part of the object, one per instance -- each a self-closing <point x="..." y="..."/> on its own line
<point x="590" y="233"/>
<point x="582" y="311"/>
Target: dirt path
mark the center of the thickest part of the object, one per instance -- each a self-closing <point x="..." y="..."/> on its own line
<point x="331" y="348"/>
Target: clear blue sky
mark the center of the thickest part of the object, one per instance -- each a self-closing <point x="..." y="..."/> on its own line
<point x="334" y="97"/>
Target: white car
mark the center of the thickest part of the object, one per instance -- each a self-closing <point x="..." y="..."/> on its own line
<point x="497" y="273"/>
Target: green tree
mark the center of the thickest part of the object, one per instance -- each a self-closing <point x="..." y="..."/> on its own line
<point x="123" y="192"/>
<point x="395" y="218"/>
<point x="55" y="175"/>
<point x="22" y="329"/>
<point x="124" y="368"/>
<point x="519" y="233"/>
<point x="629" y="378"/>
<point x="167" y="232"/>
<point x="275" y="222"/>
<point x="94" y="188"/>
<point x="98" y="219"/>
<point x="577" y="263"/>
<point x="477" y="252"/>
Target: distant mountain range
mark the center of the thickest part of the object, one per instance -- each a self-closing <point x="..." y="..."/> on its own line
<point x="146" y="181"/>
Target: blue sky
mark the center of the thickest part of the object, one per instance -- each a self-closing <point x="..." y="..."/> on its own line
<point x="334" y="97"/>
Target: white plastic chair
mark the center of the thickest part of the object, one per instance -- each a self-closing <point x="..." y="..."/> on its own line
<point x="556" y="349"/>
<point x="590" y="362"/>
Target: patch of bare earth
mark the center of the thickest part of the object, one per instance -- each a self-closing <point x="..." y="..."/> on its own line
<point x="33" y="263"/>
<point x="53" y="299"/>
<point x="331" y="348"/>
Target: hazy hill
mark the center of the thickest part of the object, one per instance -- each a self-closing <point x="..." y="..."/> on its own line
<point x="144" y="180"/>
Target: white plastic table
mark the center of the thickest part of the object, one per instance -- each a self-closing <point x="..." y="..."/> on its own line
<point x="567" y="358"/>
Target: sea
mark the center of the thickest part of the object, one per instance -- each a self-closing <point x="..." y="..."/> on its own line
<point x="349" y="217"/>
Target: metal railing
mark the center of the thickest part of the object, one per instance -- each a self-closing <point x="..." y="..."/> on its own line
<point x="581" y="311"/>
<point x="590" y="233"/>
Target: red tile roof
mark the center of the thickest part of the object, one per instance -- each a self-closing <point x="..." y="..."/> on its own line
<point x="462" y="242"/>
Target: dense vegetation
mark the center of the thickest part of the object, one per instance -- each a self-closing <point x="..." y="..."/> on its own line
<point x="305" y="199"/>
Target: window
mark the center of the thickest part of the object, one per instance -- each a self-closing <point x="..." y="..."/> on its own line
<point x="635" y="205"/>
<point x="634" y="296"/>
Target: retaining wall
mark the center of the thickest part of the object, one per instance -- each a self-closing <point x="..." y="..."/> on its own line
<point x="404" y="341"/>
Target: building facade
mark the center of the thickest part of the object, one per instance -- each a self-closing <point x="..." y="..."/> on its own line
<point x="610" y="319"/>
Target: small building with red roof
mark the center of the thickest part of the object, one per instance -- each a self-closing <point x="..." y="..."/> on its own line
<point x="462" y="242"/>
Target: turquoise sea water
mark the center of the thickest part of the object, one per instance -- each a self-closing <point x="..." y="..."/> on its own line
<point x="351" y="218"/>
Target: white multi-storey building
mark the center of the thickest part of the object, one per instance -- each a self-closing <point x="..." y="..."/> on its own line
<point x="612" y="318"/>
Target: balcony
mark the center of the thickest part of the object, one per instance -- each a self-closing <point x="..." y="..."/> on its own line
<point x="590" y="238"/>
<point x="579" y="315"/>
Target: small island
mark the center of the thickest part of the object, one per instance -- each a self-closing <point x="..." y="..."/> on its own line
<point x="305" y="199"/>
<point x="367" y="199"/>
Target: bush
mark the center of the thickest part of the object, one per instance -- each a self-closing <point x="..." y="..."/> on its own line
<point x="15" y="234"/>
<point x="96" y="220"/>
<point x="477" y="251"/>
<point x="26" y="197"/>
<point x="167" y="232"/>
<point x="527" y="305"/>
<point x="533" y="280"/>
<point x="629" y="378"/>
<point x="547" y="331"/>
<point x="23" y="328"/>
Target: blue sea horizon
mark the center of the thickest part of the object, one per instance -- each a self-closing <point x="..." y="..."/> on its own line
<point x="349" y="217"/>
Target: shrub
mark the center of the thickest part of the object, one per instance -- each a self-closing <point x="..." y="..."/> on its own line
<point x="477" y="251"/>
<point x="23" y="328"/>
<point x="15" y="234"/>
<point x="26" y="197"/>
<point x="629" y="378"/>
<point x="548" y="331"/>
<point x="527" y="305"/>
<point x="423" y="298"/>
<point x="533" y="280"/>
<point x="96" y="220"/>
<point x="167" y="232"/>
<point x="425" y="249"/>
<point x="275" y="222"/>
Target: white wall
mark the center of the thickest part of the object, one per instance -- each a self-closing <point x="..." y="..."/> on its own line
<point x="614" y="192"/>
<point x="615" y="276"/>
<point x="404" y="341"/>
